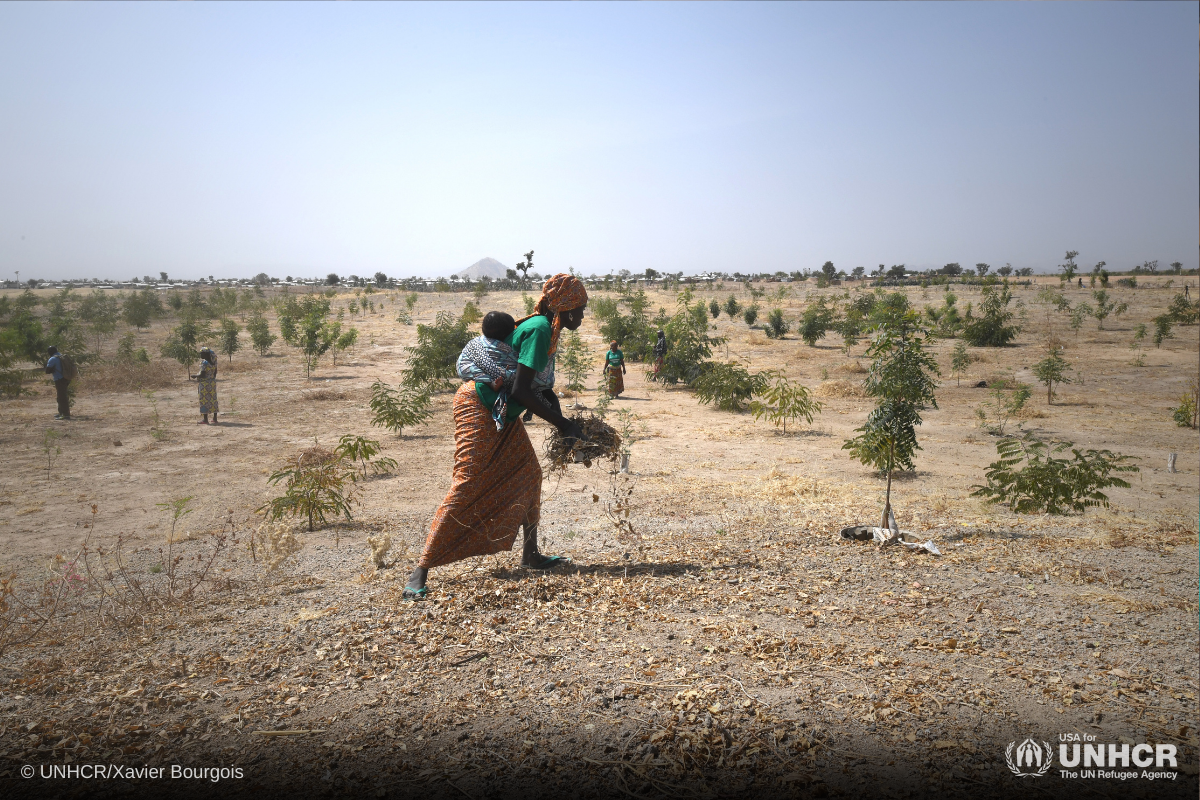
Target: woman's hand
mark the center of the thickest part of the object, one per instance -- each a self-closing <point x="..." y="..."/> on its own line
<point x="570" y="429"/>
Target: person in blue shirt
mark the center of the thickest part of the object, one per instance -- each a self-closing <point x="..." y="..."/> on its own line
<point x="54" y="368"/>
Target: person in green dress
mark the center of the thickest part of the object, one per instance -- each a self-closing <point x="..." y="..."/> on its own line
<point x="614" y="367"/>
<point x="206" y="385"/>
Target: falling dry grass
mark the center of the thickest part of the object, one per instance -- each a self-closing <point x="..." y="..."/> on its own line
<point x="840" y="388"/>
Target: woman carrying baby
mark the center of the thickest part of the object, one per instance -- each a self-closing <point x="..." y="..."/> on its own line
<point x="497" y="480"/>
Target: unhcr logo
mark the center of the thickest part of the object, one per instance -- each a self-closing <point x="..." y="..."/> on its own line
<point x="1029" y="759"/>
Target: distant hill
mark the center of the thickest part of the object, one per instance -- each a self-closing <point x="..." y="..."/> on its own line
<point x="484" y="268"/>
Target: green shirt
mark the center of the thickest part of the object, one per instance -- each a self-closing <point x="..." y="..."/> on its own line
<point x="531" y="341"/>
<point x="615" y="358"/>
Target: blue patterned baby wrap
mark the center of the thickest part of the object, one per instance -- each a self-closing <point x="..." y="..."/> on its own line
<point x="486" y="360"/>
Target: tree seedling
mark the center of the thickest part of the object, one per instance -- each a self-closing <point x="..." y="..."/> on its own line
<point x="50" y="448"/>
<point x="1051" y="370"/>
<point x="1050" y="485"/>
<point x="397" y="410"/>
<point x="901" y="379"/>
<point x="960" y="359"/>
<point x="785" y="401"/>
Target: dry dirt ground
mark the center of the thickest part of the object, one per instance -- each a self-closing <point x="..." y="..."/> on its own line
<point x="740" y="648"/>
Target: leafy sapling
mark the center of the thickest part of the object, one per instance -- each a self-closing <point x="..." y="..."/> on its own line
<point x="1051" y="370"/>
<point x="901" y="380"/>
<point x="785" y="401"/>
<point x="398" y="409"/>
<point x="1047" y="484"/>
<point x="960" y="359"/>
<point x="229" y="342"/>
<point x="777" y="327"/>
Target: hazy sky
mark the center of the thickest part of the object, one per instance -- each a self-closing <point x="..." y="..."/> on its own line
<point x="300" y="139"/>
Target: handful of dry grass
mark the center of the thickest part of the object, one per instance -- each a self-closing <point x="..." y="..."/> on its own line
<point x="603" y="442"/>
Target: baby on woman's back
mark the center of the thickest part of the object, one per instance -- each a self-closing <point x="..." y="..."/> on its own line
<point x="488" y="358"/>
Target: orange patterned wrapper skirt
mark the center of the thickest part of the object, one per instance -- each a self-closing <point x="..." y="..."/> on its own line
<point x="616" y="381"/>
<point x="497" y="486"/>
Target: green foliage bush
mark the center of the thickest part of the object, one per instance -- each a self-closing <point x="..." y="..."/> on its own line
<point x="750" y="315"/>
<point x="850" y="325"/>
<point x="1050" y="485"/>
<point x="12" y="377"/>
<point x="230" y="343"/>
<point x="1008" y="398"/>
<point x="64" y="329"/>
<point x="471" y="313"/>
<point x="573" y="361"/>
<point x="994" y="327"/>
<point x="635" y="331"/>
<point x="1106" y="307"/>
<point x="320" y="483"/>
<point x="182" y="343"/>
<point x="815" y="322"/>
<point x="261" y="337"/>
<point x="101" y="312"/>
<point x="776" y="327"/>
<point x="602" y="308"/>
<point x="1183" y="312"/>
<point x="22" y="340"/>
<point x="946" y="320"/>
<point x="732" y="307"/>
<point x="307" y="322"/>
<point x="1051" y="370"/>
<point x="729" y="386"/>
<point x="960" y="359"/>
<point x="689" y="345"/>
<point x="432" y="359"/>
<point x="1162" y="329"/>
<point x="1187" y="413"/>
<point x="343" y="340"/>
<point x="139" y="308"/>
<point x="399" y="409"/>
